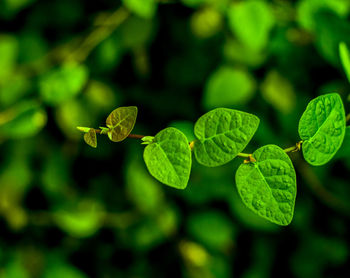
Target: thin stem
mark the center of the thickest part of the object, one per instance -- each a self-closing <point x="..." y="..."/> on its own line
<point x="348" y="117"/>
<point x="294" y="148"/>
<point x="244" y="155"/>
<point x="134" y="136"/>
<point x="290" y="149"/>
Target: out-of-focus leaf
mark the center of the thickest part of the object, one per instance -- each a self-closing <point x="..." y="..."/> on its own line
<point x="236" y="52"/>
<point x="109" y="53"/>
<point x="82" y="220"/>
<point x="90" y="138"/>
<point x="101" y="96"/>
<point x="153" y="231"/>
<point x="55" y="175"/>
<point x="345" y="58"/>
<point x="279" y="92"/>
<point x="14" y="269"/>
<point x="212" y="229"/>
<point x="142" y="189"/>
<point x="330" y="31"/>
<point x="120" y="122"/>
<point x="70" y="114"/>
<point x="268" y="186"/>
<point x="322" y="128"/>
<point x="131" y="37"/>
<point x="251" y="21"/>
<point x="142" y="8"/>
<point x="228" y="87"/>
<point x="57" y="268"/>
<point x="206" y="22"/>
<point x="9" y="8"/>
<point x="222" y="133"/>
<point x="11" y="91"/>
<point x="23" y="120"/>
<point x="168" y="158"/>
<point x="8" y="54"/>
<point x="62" y="84"/>
<point x="32" y="48"/>
<point x="307" y="9"/>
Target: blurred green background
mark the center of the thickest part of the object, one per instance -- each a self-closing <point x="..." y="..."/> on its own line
<point x="68" y="210"/>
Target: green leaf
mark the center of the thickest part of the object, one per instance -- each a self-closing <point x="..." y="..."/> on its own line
<point x="211" y="228"/>
<point x="23" y="120"/>
<point x="8" y="54"/>
<point x="168" y="158"/>
<point x="121" y="121"/>
<point x="223" y="133"/>
<point x="322" y="128"/>
<point x="268" y="186"/>
<point x="142" y="8"/>
<point x="345" y="58"/>
<point x="308" y="9"/>
<point x="251" y="21"/>
<point x="82" y="219"/>
<point x="130" y="35"/>
<point x="62" y="84"/>
<point x="90" y="138"/>
<point x="227" y="87"/>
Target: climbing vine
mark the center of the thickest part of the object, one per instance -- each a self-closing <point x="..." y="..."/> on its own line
<point x="266" y="180"/>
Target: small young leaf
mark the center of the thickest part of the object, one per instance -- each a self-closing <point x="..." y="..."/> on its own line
<point x="322" y="128"/>
<point x="222" y="133"/>
<point x="345" y="58"/>
<point x="83" y="129"/>
<point x="121" y="122"/>
<point x="268" y="186"/>
<point x="168" y="158"/>
<point x="147" y="140"/>
<point x="90" y="138"/>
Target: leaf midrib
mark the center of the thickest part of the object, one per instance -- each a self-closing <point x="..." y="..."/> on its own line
<point x="267" y="184"/>
<point x="320" y="127"/>
<point x="122" y="120"/>
<point x="172" y="166"/>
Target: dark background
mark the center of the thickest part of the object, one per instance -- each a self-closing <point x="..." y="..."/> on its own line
<point x="68" y="210"/>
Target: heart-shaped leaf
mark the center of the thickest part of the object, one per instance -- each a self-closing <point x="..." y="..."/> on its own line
<point x="120" y="122"/>
<point x="322" y="128"/>
<point x="268" y="186"/>
<point x="90" y="138"/>
<point x="223" y="133"/>
<point x="168" y="158"/>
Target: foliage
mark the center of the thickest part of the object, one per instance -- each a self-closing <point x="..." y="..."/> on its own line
<point x="266" y="181"/>
<point x="70" y="210"/>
